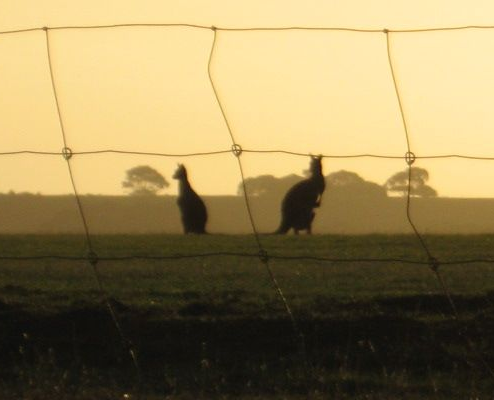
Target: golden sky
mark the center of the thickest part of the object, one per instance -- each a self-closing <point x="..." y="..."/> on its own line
<point x="147" y="89"/>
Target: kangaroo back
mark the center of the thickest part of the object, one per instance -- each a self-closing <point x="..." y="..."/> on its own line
<point x="297" y="208"/>
<point x="192" y="209"/>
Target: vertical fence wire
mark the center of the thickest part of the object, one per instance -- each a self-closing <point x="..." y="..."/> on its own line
<point x="434" y="264"/>
<point x="66" y="151"/>
<point x="91" y="254"/>
<point x="409" y="155"/>
<point x="263" y="254"/>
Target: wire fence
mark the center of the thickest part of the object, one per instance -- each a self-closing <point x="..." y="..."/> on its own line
<point x="236" y="149"/>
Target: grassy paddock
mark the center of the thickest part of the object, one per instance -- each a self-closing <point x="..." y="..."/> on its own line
<point x="215" y="326"/>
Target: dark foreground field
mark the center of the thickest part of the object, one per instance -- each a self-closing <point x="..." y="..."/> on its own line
<point x="214" y="326"/>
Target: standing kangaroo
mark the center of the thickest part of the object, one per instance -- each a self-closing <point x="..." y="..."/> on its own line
<point x="192" y="208"/>
<point x="299" y="202"/>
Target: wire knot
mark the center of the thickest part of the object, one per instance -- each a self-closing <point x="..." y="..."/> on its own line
<point x="237" y="150"/>
<point x="92" y="257"/>
<point x="434" y="264"/>
<point x="410" y="157"/>
<point x="45" y="28"/>
<point x="386" y="31"/>
<point x="263" y="256"/>
<point x="213" y="28"/>
<point x="67" y="153"/>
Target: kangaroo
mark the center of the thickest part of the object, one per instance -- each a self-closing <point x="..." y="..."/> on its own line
<point x="297" y="208"/>
<point x="192" y="209"/>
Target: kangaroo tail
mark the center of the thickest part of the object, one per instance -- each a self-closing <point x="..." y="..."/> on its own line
<point x="283" y="228"/>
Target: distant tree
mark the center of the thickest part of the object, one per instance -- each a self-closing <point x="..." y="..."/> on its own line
<point x="265" y="185"/>
<point x="344" y="178"/>
<point x="144" y="180"/>
<point x="398" y="183"/>
<point x="349" y="184"/>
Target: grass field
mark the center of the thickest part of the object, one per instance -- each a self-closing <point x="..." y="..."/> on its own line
<point x="215" y="327"/>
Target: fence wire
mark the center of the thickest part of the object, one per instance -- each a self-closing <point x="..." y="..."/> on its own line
<point x="434" y="263"/>
<point x="263" y="254"/>
<point x="92" y="258"/>
<point x="252" y="28"/>
<point x="226" y="151"/>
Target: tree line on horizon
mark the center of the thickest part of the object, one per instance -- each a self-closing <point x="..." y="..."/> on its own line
<point x="144" y="180"/>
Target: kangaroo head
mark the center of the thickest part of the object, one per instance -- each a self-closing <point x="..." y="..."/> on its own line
<point x="180" y="173"/>
<point x="315" y="165"/>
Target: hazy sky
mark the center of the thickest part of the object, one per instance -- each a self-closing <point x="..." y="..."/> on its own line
<point x="147" y="89"/>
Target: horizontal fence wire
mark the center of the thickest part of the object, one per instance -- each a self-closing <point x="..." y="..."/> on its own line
<point x="253" y="151"/>
<point x="281" y="257"/>
<point x="409" y="157"/>
<point x="251" y="29"/>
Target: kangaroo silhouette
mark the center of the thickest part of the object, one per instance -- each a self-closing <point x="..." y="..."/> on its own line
<point x="192" y="209"/>
<point x="297" y="208"/>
